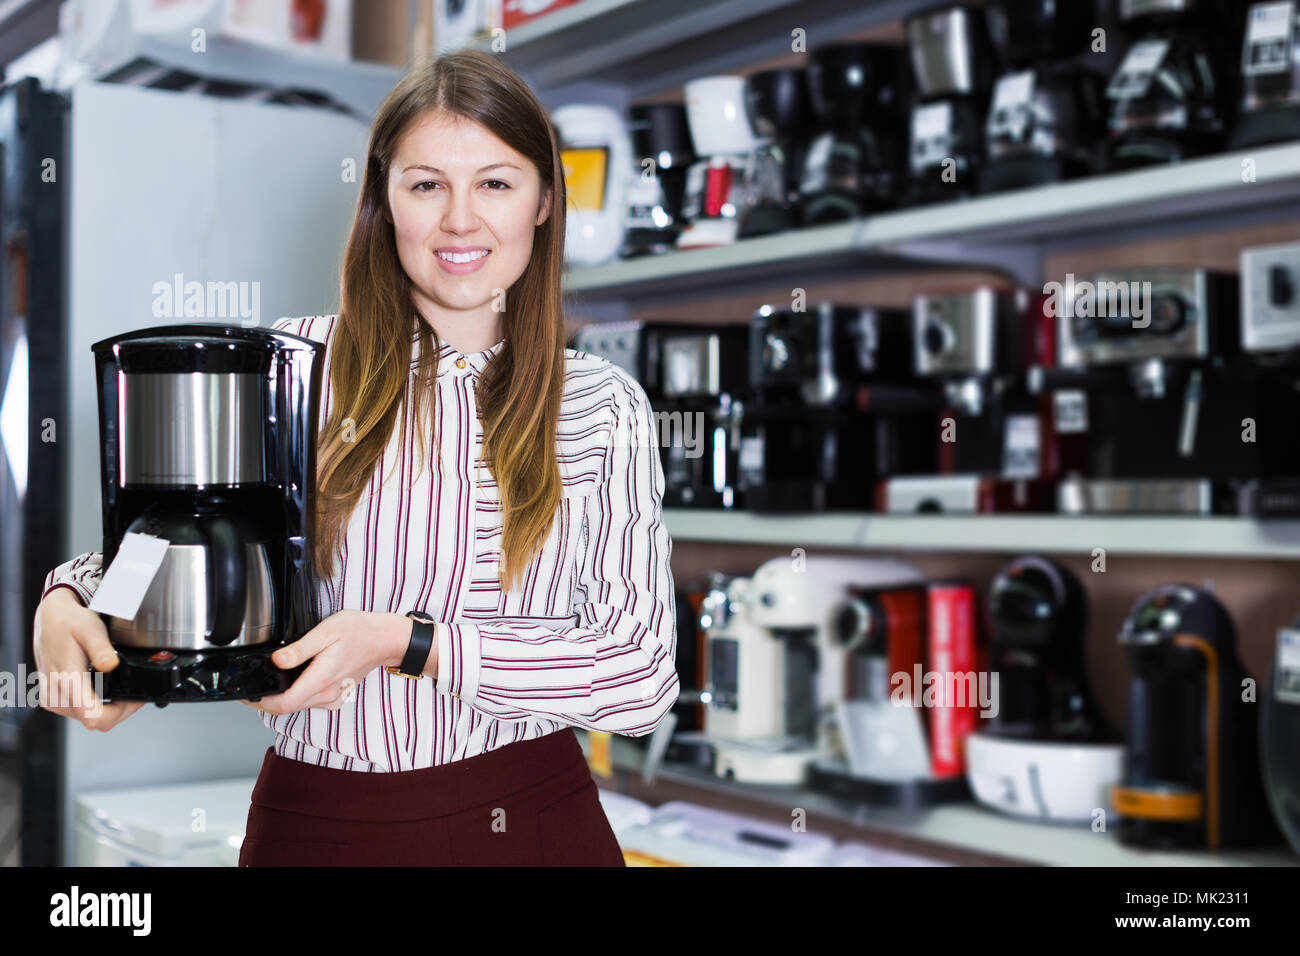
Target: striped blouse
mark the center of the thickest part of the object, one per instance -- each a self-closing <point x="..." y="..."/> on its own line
<point x="587" y="638"/>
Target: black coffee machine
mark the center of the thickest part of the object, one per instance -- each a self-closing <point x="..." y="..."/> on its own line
<point x="831" y="408"/>
<point x="1270" y="73"/>
<point x="693" y="375"/>
<point x="855" y="162"/>
<point x="954" y="64"/>
<point x="1038" y="612"/>
<point x="208" y="440"/>
<point x="1174" y="96"/>
<point x="661" y="143"/>
<point x="1191" y="769"/>
<point x="1047" y="115"/>
<point x="1279" y="729"/>
<point x="780" y="111"/>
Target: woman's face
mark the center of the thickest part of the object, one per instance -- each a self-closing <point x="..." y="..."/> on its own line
<point x="455" y="189"/>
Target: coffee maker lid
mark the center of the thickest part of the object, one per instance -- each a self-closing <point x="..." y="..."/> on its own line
<point x="208" y="348"/>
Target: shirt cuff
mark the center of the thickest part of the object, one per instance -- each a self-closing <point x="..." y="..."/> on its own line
<point x="459" y="663"/>
<point x="82" y="596"/>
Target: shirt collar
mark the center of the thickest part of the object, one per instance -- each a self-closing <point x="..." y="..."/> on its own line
<point x="454" y="362"/>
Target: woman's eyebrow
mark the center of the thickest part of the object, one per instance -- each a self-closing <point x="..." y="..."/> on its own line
<point x="435" y="169"/>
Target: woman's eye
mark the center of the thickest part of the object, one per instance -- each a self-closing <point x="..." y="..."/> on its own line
<point x="503" y="186"/>
<point x="419" y="187"/>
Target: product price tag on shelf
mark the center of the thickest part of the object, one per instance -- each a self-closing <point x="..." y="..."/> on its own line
<point x="598" y="755"/>
<point x="127" y="579"/>
<point x="1134" y="74"/>
<point x="1268" y="38"/>
<point x="1288" y="666"/>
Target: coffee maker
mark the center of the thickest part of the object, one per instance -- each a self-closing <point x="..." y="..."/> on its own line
<point x="781" y="113"/>
<point x="1279" y="729"/>
<point x="693" y="375"/>
<point x="724" y="142"/>
<point x="1270" y="73"/>
<point x="831" y="408"/>
<point x="1191" y="768"/>
<point x="1047" y="114"/>
<point x="1176" y="421"/>
<point x="661" y="149"/>
<point x="953" y="62"/>
<point x="1174" y="94"/>
<point x="995" y="447"/>
<point x="855" y="163"/>
<point x="1048" y="752"/>
<point x="208" y="441"/>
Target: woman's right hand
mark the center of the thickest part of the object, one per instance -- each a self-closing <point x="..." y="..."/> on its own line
<point x="67" y="638"/>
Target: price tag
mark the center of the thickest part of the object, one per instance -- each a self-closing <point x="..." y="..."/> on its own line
<point x="1134" y="74"/>
<point x="1288" y="666"/>
<point x="1270" y="31"/>
<point x="123" y="587"/>
<point x="1020" y="447"/>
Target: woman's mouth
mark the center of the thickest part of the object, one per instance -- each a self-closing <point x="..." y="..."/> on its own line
<point x="461" y="263"/>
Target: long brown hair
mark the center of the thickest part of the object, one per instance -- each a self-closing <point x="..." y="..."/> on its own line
<point x="519" y="392"/>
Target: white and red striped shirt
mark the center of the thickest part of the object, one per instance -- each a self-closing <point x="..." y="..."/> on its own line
<point x="588" y="637"/>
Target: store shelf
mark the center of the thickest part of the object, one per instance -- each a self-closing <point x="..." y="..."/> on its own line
<point x="965" y="826"/>
<point x="1177" y="536"/>
<point x="1006" y="231"/>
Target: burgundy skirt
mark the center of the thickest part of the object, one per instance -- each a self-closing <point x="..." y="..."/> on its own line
<point x="531" y="803"/>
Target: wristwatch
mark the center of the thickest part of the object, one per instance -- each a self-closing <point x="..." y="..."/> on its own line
<point x="417" y="652"/>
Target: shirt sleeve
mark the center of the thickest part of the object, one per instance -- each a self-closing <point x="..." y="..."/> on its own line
<point x="81" y="576"/>
<point x="613" y="671"/>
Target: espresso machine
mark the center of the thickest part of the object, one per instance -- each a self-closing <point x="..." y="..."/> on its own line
<point x="831" y="408"/>
<point x="855" y="163"/>
<point x="1270" y="76"/>
<point x="779" y="669"/>
<point x="953" y="63"/>
<point x="693" y="375"/>
<point x="1191" y="769"/>
<point x="780" y="112"/>
<point x="1174" y="95"/>
<point x="995" y="446"/>
<point x="724" y="142"/>
<point x="1176" y="421"/>
<point x="596" y="156"/>
<point x="208" y="442"/>
<point x="1047" y="114"/>
<point x="1279" y="729"/>
<point x="1048" y="752"/>
<point x="662" y="152"/>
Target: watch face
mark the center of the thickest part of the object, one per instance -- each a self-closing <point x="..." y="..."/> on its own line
<point x="420" y="616"/>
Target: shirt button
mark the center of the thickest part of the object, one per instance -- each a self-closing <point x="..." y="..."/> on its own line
<point x="460" y="363"/>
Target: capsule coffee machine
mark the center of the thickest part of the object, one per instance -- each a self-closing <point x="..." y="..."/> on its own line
<point x="1048" y="752"/>
<point x="661" y="149"/>
<point x="724" y="141"/>
<point x="1191" y="769"/>
<point x="208" y="441"/>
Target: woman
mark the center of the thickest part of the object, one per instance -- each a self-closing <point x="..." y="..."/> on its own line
<point x="536" y="505"/>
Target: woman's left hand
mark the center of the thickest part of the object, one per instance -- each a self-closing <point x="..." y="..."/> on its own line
<point x="343" y="649"/>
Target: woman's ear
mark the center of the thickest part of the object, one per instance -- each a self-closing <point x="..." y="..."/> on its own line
<point x="546" y="207"/>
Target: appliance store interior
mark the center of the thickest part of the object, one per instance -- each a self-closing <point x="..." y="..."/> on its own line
<point x="972" y="335"/>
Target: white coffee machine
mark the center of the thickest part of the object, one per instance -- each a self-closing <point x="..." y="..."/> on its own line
<point x="777" y="666"/>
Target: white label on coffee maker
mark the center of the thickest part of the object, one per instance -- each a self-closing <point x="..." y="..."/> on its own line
<point x="1288" y="666"/>
<point x="1140" y="64"/>
<point x="1020" y="447"/>
<point x="1070" y="411"/>
<point x="1013" y="90"/>
<point x="124" y="584"/>
<point x="1269" y="38"/>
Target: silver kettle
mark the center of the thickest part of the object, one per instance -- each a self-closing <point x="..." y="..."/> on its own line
<point x="213" y="589"/>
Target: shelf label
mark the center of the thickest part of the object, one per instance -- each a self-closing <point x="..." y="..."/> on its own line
<point x="134" y="567"/>
<point x="1270" y="33"/>
<point x="1134" y="74"/>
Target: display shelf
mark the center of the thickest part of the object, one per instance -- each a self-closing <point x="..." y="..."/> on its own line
<point x="964" y="826"/>
<point x="1157" y="535"/>
<point x="1007" y="231"/>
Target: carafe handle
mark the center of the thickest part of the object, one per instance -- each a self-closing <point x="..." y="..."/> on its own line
<point x="227" y="579"/>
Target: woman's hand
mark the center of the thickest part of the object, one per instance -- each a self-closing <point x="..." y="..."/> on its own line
<point x="343" y="649"/>
<point x="67" y="637"/>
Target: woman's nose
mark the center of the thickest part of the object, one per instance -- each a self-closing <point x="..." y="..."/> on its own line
<point x="459" y="214"/>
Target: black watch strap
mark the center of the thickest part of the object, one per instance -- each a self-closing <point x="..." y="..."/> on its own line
<point x="417" y="652"/>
